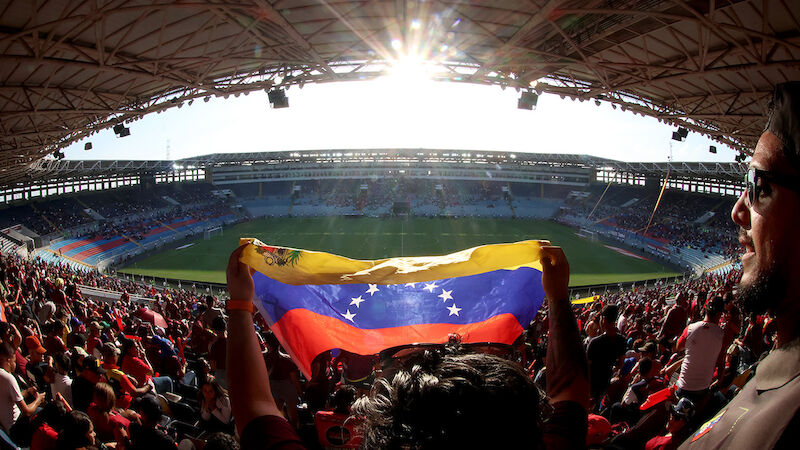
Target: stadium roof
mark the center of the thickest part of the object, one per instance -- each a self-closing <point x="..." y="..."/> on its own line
<point x="71" y="169"/>
<point x="71" y="68"/>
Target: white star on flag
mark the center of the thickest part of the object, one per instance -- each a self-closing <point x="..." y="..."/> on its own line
<point x="356" y="301"/>
<point x="411" y="284"/>
<point x="349" y="316"/>
<point x="430" y="287"/>
<point x="445" y="295"/>
<point x="373" y="288"/>
<point x="453" y="310"/>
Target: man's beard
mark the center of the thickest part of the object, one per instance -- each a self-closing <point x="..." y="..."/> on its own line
<point x="764" y="294"/>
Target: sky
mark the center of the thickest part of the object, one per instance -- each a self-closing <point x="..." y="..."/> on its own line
<point x="398" y="112"/>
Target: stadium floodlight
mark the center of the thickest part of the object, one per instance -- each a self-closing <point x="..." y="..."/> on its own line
<point x="676" y="136"/>
<point x="88" y="146"/>
<point x="277" y="98"/>
<point x="683" y="132"/>
<point x="712" y="149"/>
<point x="528" y="100"/>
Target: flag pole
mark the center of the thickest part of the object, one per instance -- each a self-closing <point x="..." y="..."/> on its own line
<point x="658" y="202"/>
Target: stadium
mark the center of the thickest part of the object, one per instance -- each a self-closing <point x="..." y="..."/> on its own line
<point x="100" y="256"/>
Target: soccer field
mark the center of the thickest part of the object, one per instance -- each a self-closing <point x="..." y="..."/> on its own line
<point x="372" y="238"/>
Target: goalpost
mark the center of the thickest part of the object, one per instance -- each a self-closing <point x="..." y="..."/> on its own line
<point x="587" y="234"/>
<point x="211" y="232"/>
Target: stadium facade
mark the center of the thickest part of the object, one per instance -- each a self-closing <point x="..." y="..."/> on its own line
<point x="50" y="177"/>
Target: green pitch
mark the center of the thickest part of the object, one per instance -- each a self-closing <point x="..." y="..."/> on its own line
<point x="370" y="238"/>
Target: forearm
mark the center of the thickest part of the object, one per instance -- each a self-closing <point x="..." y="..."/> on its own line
<point x="248" y="379"/>
<point x="567" y="369"/>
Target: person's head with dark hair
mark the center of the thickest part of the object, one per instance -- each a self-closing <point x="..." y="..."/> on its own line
<point x="62" y="363"/>
<point x="210" y="301"/>
<point x="342" y="399"/>
<point x="78" y="432"/>
<point x="645" y="367"/>
<point x="218" y="325"/>
<point x="768" y="214"/>
<point x="714" y="308"/>
<point x="210" y="391"/>
<point x="608" y="318"/>
<point x="221" y="441"/>
<point x="443" y="404"/>
<point x="8" y="360"/>
<point x="52" y="413"/>
<point x="150" y="410"/>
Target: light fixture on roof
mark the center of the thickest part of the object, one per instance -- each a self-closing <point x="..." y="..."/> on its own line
<point x="528" y="100"/>
<point x="121" y="130"/>
<point x="712" y="149"/>
<point x="88" y="146"/>
<point x="277" y="98"/>
<point x="680" y="135"/>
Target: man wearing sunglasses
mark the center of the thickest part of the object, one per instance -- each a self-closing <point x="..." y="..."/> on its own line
<point x="766" y="413"/>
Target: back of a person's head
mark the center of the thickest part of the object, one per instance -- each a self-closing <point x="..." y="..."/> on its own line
<point x="150" y="409"/>
<point x="221" y="441"/>
<point x="457" y="401"/>
<point x="7" y="352"/>
<point x="218" y="324"/>
<point x="610" y="313"/>
<point x="76" y="432"/>
<point x="104" y="396"/>
<point x="645" y="366"/>
<point x="343" y="398"/>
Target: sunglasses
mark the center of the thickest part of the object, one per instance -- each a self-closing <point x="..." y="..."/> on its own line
<point x="755" y="179"/>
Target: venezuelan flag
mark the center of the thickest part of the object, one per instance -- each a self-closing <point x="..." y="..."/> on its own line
<point x="316" y="301"/>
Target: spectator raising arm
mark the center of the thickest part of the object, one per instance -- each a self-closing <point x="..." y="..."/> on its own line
<point x="248" y="379"/>
<point x="567" y="369"/>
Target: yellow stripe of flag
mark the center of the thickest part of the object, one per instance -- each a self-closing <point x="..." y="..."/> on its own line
<point x="297" y="267"/>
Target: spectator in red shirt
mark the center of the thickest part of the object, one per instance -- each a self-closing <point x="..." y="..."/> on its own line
<point x="46" y="425"/>
<point x="107" y="421"/>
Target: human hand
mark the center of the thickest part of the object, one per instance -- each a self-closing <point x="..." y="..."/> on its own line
<point x="555" y="273"/>
<point x="239" y="277"/>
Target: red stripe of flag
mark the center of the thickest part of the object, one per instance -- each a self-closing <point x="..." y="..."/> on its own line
<point x="307" y="334"/>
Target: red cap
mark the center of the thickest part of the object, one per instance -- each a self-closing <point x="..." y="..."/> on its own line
<point x="32" y="343"/>
<point x="598" y="431"/>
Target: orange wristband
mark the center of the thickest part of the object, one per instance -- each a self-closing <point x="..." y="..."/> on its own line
<point x="241" y="305"/>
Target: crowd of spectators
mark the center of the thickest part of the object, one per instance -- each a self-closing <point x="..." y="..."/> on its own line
<point x="64" y="213"/>
<point x="140" y="381"/>
<point x="675" y="221"/>
<point x="376" y="193"/>
<point x="136" y="228"/>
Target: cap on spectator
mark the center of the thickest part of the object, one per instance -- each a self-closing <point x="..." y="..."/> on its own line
<point x="91" y="364"/>
<point x="648" y="347"/>
<point x="684" y="409"/>
<point x="598" y="430"/>
<point x="32" y="344"/>
<point x="79" y="351"/>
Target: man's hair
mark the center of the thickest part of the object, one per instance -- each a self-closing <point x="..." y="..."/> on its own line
<point x="783" y="120"/>
<point x="645" y="365"/>
<point x="76" y="426"/>
<point x="7" y="350"/>
<point x="221" y="441"/>
<point x="453" y="401"/>
<point x="610" y="313"/>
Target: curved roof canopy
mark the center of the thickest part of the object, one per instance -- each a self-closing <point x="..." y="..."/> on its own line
<point x="69" y="68"/>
